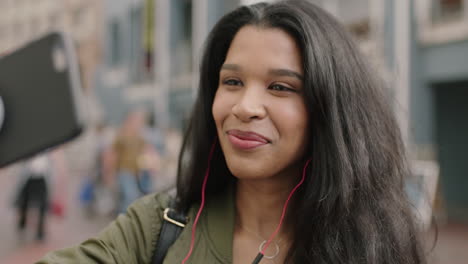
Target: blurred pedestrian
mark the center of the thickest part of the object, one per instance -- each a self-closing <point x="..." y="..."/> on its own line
<point x="128" y="157"/>
<point x="34" y="193"/>
<point x="42" y="188"/>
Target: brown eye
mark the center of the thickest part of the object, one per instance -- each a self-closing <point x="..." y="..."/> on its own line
<point x="281" y="88"/>
<point x="232" y="82"/>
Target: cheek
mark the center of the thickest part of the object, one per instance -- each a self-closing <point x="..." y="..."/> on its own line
<point x="302" y="126"/>
<point x="218" y="110"/>
<point x="292" y="122"/>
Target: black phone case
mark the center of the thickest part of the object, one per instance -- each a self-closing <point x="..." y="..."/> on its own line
<point x="41" y="102"/>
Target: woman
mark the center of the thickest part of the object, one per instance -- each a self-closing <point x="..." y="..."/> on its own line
<point x="289" y="118"/>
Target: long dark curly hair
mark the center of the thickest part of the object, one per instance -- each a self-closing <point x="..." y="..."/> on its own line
<point x="352" y="207"/>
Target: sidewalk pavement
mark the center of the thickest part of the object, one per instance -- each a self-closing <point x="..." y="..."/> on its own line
<point x="451" y="246"/>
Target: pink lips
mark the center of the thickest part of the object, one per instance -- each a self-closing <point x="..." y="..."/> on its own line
<point x="246" y="140"/>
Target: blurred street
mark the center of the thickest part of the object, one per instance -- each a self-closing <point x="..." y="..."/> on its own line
<point x="452" y="245"/>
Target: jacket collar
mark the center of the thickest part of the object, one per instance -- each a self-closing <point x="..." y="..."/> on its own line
<point x="218" y="225"/>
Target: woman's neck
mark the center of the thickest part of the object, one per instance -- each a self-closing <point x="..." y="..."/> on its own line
<point x="259" y="205"/>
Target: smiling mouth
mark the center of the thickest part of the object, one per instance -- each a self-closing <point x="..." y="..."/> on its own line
<point x="246" y="140"/>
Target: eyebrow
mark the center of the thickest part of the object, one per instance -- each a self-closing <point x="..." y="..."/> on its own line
<point x="276" y="72"/>
<point x="232" y="67"/>
<point x="285" y="72"/>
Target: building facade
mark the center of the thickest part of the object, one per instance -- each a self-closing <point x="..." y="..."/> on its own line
<point x="151" y="56"/>
<point x="24" y="20"/>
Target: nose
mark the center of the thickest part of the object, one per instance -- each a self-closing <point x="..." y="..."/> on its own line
<point x="250" y="104"/>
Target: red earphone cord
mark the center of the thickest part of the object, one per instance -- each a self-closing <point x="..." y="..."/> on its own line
<point x="207" y="173"/>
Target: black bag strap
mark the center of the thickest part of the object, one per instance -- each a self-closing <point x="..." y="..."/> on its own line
<point x="172" y="225"/>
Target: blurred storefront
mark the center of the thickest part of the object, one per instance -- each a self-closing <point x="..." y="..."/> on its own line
<point x="439" y="90"/>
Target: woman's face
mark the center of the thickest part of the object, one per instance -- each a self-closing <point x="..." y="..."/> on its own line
<point x="259" y="108"/>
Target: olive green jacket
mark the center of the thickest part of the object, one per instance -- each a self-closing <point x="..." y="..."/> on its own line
<point x="132" y="237"/>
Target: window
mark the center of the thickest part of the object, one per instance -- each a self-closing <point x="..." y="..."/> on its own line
<point x="115" y="44"/>
<point x="181" y="40"/>
<point x="54" y="22"/>
<point x="442" y="21"/>
<point x="78" y="17"/>
<point x="355" y="14"/>
<point x="3" y="36"/>
<point x="2" y="31"/>
<point x="136" y="57"/>
<point x="360" y="29"/>
<point x="447" y="10"/>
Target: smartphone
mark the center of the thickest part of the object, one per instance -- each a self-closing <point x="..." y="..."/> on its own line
<point x="40" y="97"/>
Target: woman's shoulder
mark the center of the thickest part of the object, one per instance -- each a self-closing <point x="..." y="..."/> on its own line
<point x="131" y="238"/>
<point x="148" y="210"/>
<point x="159" y="200"/>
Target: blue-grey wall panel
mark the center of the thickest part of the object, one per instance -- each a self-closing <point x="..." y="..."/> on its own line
<point x="446" y="62"/>
<point x="421" y="98"/>
<point x="452" y="131"/>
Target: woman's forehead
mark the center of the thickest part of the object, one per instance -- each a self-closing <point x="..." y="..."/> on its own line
<point x="272" y="47"/>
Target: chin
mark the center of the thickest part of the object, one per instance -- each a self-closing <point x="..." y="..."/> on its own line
<point x="248" y="170"/>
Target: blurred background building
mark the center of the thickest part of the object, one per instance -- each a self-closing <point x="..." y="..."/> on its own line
<point x="151" y="55"/>
<point x="145" y="53"/>
<point x="24" y="20"/>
